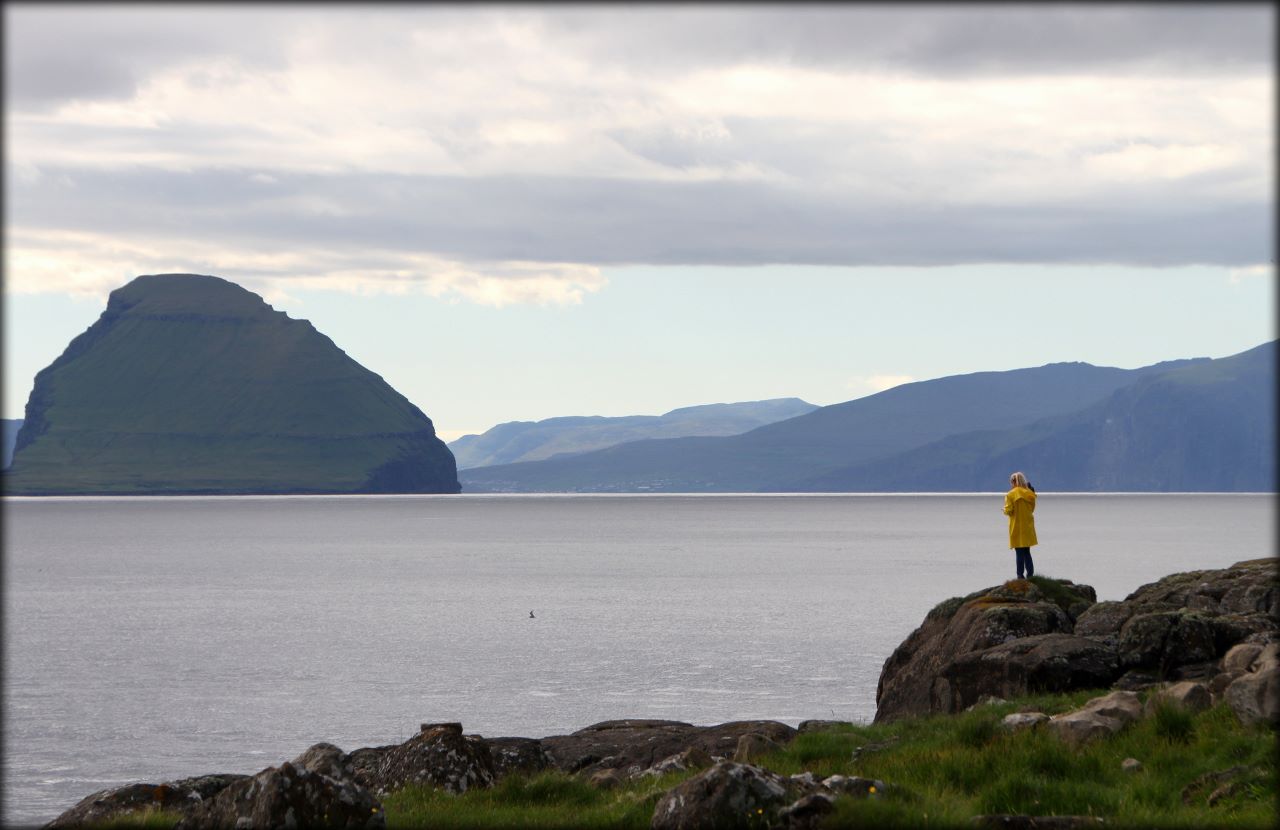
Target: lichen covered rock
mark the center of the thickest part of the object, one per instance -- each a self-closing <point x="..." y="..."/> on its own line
<point x="314" y="790"/>
<point x="439" y="756"/>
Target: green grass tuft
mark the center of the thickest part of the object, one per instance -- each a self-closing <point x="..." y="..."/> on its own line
<point x="1172" y="722"/>
<point x="941" y="771"/>
<point x="1057" y="592"/>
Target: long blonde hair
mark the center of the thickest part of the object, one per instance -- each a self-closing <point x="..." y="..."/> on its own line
<point x="1018" y="480"/>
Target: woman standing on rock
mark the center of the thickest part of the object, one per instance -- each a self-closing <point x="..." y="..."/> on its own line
<point x="1019" y="505"/>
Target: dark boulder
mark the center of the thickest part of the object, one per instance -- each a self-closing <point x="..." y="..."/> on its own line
<point x="439" y="756"/>
<point x="918" y="678"/>
<point x="1166" y="640"/>
<point x="1019" y="639"/>
<point x="1028" y="665"/>
<point x="727" y="795"/>
<point x="131" y="800"/>
<point x="524" y="755"/>
<point x="313" y="790"/>
<point x="633" y="746"/>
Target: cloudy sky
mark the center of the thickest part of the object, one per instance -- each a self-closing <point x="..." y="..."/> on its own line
<point x="528" y="211"/>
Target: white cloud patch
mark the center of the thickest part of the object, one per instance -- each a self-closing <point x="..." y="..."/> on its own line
<point x="878" y="383"/>
<point x="1251" y="272"/>
<point x="93" y="265"/>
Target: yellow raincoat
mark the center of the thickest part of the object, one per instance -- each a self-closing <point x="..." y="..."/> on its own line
<point x="1019" y="504"/>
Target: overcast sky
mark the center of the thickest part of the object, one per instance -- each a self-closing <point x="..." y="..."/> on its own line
<point x="498" y="179"/>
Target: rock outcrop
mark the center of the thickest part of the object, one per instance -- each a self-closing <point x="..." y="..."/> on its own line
<point x="1004" y="641"/>
<point x="1022" y="638"/>
<point x="633" y="746"/>
<point x="133" y="800"/>
<point x="1254" y="694"/>
<point x="731" y="794"/>
<point x="439" y="756"/>
<point x="316" y="789"/>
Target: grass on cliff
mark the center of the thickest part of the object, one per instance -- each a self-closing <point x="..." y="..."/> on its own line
<point x="949" y="768"/>
<point x="941" y="772"/>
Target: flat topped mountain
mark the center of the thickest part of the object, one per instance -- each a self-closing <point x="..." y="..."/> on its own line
<point x="192" y="384"/>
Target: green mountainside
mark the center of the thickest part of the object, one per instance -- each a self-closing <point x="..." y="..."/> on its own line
<point x="535" y="440"/>
<point x="1208" y="426"/>
<point x="779" y="455"/>
<point x="191" y="384"/>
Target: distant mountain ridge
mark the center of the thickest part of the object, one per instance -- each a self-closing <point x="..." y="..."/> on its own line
<point x="191" y="384"/>
<point x="1206" y="426"/>
<point x="517" y="441"/>
<point x="857" y="445"/>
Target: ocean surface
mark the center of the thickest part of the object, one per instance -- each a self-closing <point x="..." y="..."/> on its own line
<point x="147" y="639"/>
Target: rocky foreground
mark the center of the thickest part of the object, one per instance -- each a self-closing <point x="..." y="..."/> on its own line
<point x="1195" y="638"/>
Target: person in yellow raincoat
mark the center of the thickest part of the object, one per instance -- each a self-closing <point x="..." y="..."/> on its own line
<point x="1019" y="505"/>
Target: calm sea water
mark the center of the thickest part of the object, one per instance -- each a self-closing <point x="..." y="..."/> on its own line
<point x="147" y="639"/>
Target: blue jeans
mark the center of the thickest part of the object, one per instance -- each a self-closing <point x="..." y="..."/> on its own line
<point x="1024" y="562"/>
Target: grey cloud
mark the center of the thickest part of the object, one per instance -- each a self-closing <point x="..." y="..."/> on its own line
<point x="954" y="39"/>
<point x="610" y="221"/>
<point x="59" y="52"/>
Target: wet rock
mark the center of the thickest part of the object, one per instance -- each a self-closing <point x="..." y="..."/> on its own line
<point x="727" y="795"/>
<point x="1255" y="697"/>
<point x="298" y="793"/>
<point x="440" y="756"/>
<point x="133" y="800"/>
<point x="1020" y="721"/>
<point x="633" y="746"/>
